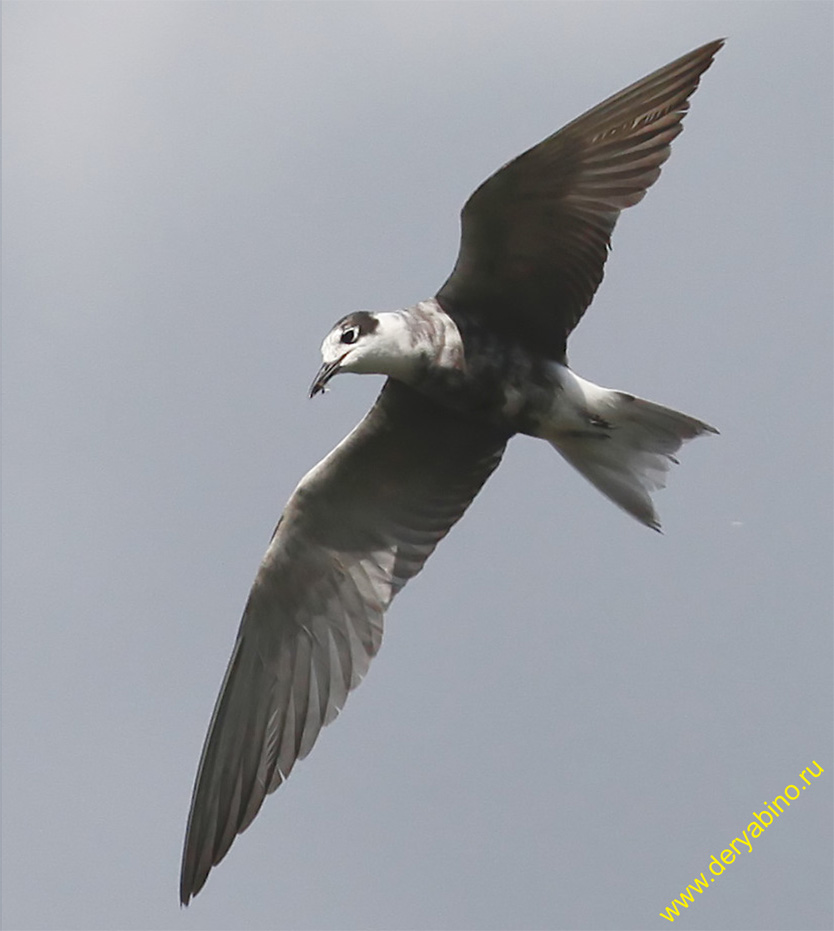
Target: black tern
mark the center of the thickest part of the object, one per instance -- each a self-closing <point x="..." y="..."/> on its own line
<point x="481" y="361"/>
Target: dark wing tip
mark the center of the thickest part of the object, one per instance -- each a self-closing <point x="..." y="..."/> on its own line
<point x="194" y="870"/>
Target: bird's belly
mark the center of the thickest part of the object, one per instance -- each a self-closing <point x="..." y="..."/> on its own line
<point x="525" y="397"/>
<point x="545" y="399"/>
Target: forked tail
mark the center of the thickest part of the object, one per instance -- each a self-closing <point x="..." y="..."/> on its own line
<point x="624" y="445"/>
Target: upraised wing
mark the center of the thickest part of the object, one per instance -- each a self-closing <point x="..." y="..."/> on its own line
<point x="355" y="530"/>
<point x="535" y="236"/>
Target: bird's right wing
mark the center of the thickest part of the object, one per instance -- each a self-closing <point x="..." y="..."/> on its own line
<point x="357" y="527"/>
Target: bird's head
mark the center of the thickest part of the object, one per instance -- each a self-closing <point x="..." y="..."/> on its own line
<point x="366" y="343"/>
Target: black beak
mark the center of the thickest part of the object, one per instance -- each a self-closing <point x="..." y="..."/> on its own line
<point x="324" y="374"/>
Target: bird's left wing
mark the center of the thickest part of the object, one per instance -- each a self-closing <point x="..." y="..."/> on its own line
<point x="535" y="236"/>
<point x="357" y="527"/>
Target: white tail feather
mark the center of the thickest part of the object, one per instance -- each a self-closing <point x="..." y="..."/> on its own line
<point x="622" y="444"/>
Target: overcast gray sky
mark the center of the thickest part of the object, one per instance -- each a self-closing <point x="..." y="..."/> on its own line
<point x="570" y="714"/>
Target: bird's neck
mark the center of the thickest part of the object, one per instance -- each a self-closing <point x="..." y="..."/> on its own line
<point x="429" y="338"/>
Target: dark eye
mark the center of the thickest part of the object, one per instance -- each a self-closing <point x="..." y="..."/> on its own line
<point x="350" y="335"/>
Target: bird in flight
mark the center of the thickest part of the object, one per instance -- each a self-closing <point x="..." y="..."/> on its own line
<point x="467" y="369"/>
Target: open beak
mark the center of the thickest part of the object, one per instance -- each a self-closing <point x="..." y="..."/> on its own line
<point x="324" y="374"/>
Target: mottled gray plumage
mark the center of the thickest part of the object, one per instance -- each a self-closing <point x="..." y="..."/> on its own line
<point x="483" y="361"/>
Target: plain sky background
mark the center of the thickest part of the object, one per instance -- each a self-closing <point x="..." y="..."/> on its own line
<point x="570" y="714"/>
